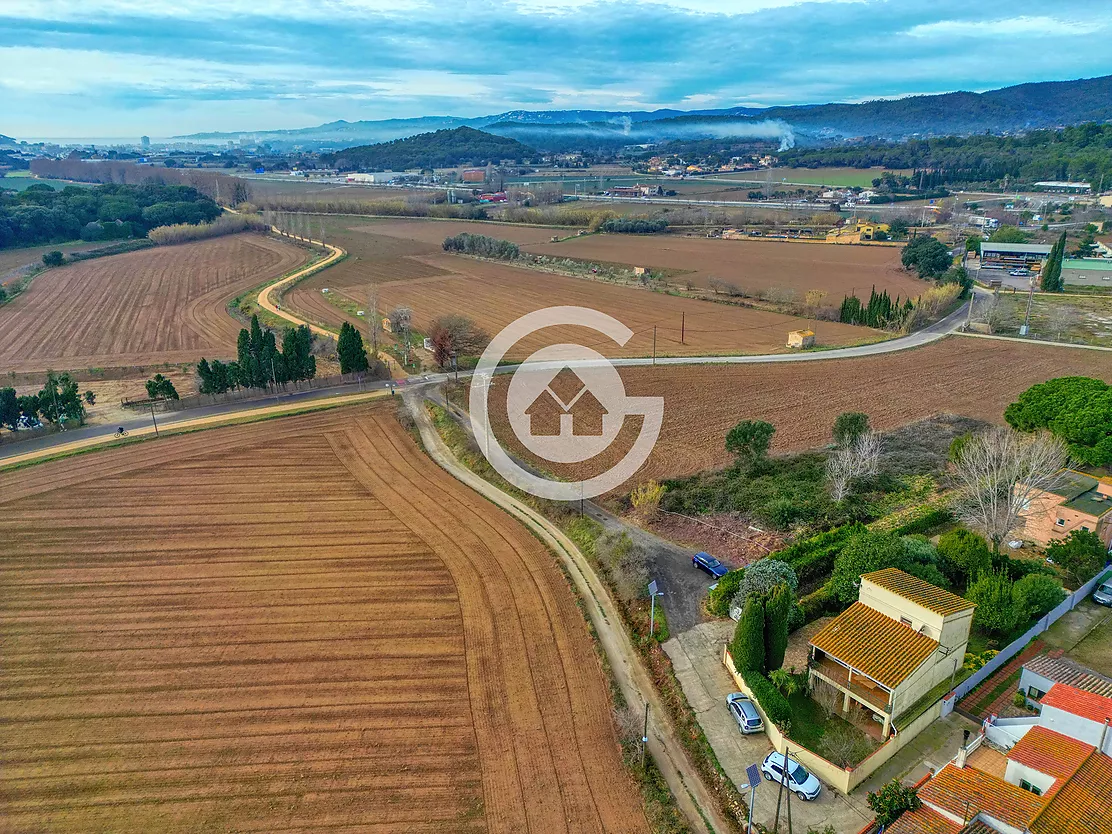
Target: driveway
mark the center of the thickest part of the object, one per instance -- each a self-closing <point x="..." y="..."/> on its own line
<point x="697" y="659"/>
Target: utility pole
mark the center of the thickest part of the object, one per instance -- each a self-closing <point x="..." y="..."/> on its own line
<point x="780" y="792"/>
<point x="645" y="737"/>
<point x="153" y="420"/>
<point x="1027" y="315"/>
<point x="683" y="326"/>
<point x="654" y="344"/>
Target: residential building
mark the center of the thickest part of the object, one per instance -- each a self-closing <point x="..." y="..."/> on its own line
<point x="901" y="639"/>
<point x="1079" y="502"/>
<point x="1053" y="775"/>
<point x="1039" y="674"/>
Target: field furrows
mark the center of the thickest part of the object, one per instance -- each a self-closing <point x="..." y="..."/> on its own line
<point x="165" y="304"/>
<point x="291" y="643"/>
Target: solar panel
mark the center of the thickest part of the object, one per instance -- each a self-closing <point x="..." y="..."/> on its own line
<point x="652" y="588"/>
<point x="753" y="774"/>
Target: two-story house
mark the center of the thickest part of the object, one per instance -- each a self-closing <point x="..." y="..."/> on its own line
<point x="1079" y="502"/>
<point x="900" y="640"/>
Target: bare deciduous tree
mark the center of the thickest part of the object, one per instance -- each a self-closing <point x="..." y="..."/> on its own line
<point x="1059" y="318"/>
<point x="999" y="472"/>
<point x="857" y="460"/>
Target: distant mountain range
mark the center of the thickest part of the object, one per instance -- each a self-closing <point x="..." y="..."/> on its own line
<point x="1010" y="109"/>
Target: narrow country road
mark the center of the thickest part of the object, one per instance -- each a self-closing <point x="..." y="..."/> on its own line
<point x="691" y="794"/>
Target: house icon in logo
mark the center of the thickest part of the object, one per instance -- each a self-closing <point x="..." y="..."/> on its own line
<point x="566" y="408"/>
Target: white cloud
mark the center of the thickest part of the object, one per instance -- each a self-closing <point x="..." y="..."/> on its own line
<point x="60" y="10"/>
<point x="1016" y="27"/>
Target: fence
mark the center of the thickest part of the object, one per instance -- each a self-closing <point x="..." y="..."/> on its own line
<point x="245" y="394"/>
<point x="1016" y="646"/>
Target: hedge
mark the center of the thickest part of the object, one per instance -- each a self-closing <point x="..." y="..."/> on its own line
<point x="813" y="558"/>
<point x="772" y="701"/>
<point x="719" y="597"/>
<point x="818" y="604"/>
<point x="932" y="519"/>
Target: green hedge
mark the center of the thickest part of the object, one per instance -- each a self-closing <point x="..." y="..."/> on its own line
<point x="719" y="597"/>
<point x="932" y="519"/>
<point x="819" y="604"/>
<point x="813" y="558"/>
<point x="772" y="701"/>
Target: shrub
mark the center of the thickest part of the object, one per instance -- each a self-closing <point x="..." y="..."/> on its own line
<point x="996" y="611"/>
<point x="483" y="246"/>
<point x="891" y="801"/>
<point x="1036" y="594"/>
<point x="813" y="558"/>
<point x="848" y="426"/>
<point x="749" y="440"/>
<point x="1020" y="700"/>
<point x="1080" y="554"/>
<point x="928" y="521"/>
<point x="633" y="225"/>
<point x="54" y="258"/>
<point x="763" y="576"/>
<point x="865" y="552"/>
<point x="748" y="646"/>
<point x="772" y="701"/>
<point x="227" y="224"/>
<point x="963" y="554"/>
<point x="777" y="614"/>
<point x="818" y="604"/>
<point x="723" y="592"/>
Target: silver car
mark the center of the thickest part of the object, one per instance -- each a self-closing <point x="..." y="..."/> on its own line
<point x="1103" y="594"/>
<point x="744" y="713"/>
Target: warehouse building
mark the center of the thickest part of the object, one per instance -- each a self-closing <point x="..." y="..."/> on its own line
<point x="1014" y="255"/>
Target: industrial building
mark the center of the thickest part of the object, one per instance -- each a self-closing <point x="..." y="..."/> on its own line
<point x="1014" y="255"/>
<point x="1063" y="187"/>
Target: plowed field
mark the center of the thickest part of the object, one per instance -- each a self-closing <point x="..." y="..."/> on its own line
<point x="959" y="375"/>
<point x="165" y="304"/>
<point x="302" y="625"/>
<point x="752" y="265"/>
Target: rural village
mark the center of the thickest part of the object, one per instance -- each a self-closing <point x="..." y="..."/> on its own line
<point x="271" y="556"/>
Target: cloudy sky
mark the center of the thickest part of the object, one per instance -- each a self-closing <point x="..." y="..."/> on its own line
<point x="120" y="68"/>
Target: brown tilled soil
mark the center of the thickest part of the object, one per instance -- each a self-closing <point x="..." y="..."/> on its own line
<point x="300" y="625"/>
<point x="753" y="266"/>
<point x="960" y="375"/>
<point x="165" y="304"/>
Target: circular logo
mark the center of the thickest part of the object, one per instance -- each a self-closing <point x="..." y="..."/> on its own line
<point x="566" y="403"/>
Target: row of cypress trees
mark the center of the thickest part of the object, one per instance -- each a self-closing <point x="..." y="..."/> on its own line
<point x="880" y="312"/>
<point x="761" y="637"/>
<point x="1050" y="279"/>
<point x="259" y="362"/>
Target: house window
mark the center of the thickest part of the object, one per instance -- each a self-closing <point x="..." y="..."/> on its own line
<point x="1034" y="693"/>
<point x="905" y="621"/>
<point x="1061" y="522"/>
<point x="1027" y="786"/>
<point x="1083" y="527"/>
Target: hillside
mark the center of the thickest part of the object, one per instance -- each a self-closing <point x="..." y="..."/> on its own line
<point x="440" y="149"/>
<point x="1009" y="109"/>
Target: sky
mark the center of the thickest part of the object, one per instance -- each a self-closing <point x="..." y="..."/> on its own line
<point x="122" y="68"/>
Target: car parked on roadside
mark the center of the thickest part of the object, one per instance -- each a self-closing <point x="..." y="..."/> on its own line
<point x="799" y="781"/>
<point x="708" y="564"/>
<point x="745" y="713"/>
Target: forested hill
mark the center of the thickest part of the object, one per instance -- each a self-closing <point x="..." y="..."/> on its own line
<point x="1081" y="153"/>
<point x="441" y="149"/>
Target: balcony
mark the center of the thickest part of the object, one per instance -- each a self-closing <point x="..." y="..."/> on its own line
<point x="873" y="696"/>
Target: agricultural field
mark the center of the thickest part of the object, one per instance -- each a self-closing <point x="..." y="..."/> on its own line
<point x="754" y="266"/>
<point x="839" y="177"/>
<point x="165" y="304"/>
<point x="12" y="259"/>
<point x="495" y="294"/>
<point x="298" y="625"/>
<point x="959" y="375"/>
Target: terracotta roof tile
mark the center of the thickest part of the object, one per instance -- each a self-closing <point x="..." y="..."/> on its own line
<point x="882" y="648"/>
<point x="966" y="791"/>
<point x="914" y="589"/>
<point x="1063" y="670"/>
<point x="1082" y="805"/>
<point x="1078" y="702"/>
<point x="1051" y="753"/>
<point x="923" y="821"/>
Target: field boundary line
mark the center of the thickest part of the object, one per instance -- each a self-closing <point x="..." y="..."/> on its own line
<point x="1033" y="341"/>
<point x="691" y="794"/>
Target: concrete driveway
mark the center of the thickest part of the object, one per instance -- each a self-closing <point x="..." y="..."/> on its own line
<point x="696" y="656"/>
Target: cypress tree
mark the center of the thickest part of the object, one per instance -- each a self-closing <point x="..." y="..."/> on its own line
<point x="777" y="612"/>
<point x="353" y="357"/>
<point x="748" y="646"/>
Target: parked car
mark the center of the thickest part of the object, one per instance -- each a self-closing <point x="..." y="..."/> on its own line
<point x="799" y="781"/>
<point x="1103" y="594"/>
<point x="744" y="713"/>
<point x="707" y="563"/>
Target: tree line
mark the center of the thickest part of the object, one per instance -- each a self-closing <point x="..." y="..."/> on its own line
<point x="1080" y="153"/>
<point x="482" y="246"/>
<point x="259" y="362"/>
<point x="58" y="401"/>
<point x="41" y="215"/>
<point x="439" y="149"/>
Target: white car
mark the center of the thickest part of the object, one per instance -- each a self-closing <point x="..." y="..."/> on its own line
<point x="799" y="781"/>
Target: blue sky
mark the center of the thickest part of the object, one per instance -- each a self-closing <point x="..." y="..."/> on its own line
<point x="120" y="68"/>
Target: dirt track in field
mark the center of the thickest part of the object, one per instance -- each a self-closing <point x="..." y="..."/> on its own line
<point x="165" y="304"/>
<point x="753" y="266"/>
<point x="301" y="625"/>
<point x="959" y="375"/>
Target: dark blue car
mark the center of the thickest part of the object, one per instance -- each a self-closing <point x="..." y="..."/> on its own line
<point x="706" y="562"/>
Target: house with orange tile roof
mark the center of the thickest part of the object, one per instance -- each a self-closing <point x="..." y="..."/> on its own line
<point x="901" y="639"/>
<point x="1057" y="777"/>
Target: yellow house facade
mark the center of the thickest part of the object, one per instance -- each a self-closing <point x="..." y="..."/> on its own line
<point x="901" y="639"/>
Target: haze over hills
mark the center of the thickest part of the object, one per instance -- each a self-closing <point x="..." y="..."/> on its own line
<point x="1010" y="109"/>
